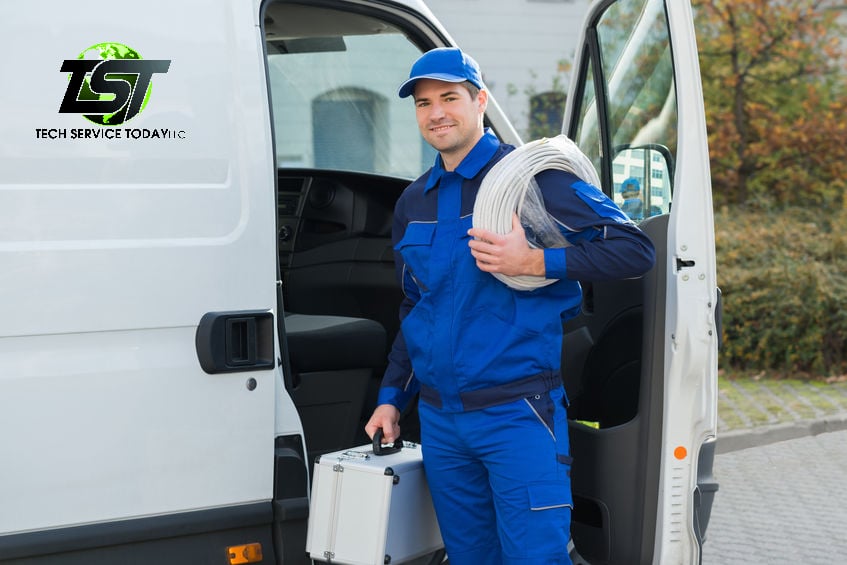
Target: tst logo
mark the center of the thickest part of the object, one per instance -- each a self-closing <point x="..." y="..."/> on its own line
<point x="109" y="83"/>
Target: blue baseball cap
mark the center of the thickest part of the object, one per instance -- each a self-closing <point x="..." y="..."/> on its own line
<point x="630" y="185"/>
<point x="449" y="64"/>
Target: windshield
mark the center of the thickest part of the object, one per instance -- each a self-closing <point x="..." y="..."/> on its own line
<point x="334" y="78"/>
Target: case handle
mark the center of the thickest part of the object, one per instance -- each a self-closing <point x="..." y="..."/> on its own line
<point x="387" y="449"/>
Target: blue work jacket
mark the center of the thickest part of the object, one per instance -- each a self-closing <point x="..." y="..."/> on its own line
<point x="467" y="340"/>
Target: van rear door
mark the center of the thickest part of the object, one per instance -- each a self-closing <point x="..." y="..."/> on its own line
<point x="640" y="363"/>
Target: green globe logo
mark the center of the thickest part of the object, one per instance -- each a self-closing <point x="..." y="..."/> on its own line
<point x="109" y="83"/>
<point x="107" y="52"/>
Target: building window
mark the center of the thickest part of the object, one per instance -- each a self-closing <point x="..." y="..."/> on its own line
<point x="345" y="123"/>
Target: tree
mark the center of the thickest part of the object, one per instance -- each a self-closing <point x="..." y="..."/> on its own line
<point x="776" y="95"/>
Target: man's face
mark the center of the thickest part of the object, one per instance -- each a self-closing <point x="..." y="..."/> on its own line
<point x="449" y="119"/>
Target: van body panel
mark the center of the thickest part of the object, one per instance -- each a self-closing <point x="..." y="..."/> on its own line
<point x="107" y="219"/>
<point x="113" y="250"/>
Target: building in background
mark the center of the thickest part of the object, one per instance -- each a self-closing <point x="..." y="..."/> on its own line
<point x="525" y="49"/>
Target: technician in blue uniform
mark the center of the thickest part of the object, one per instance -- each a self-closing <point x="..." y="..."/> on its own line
<point x="632" y="205"/>
<point x="485" y="358"/>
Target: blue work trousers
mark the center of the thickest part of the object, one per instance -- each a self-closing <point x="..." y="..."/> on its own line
<point x="500" y="480"/>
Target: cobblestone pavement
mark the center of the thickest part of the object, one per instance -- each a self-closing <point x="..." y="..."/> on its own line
<point x="781" y="467"/>
<point x="782" y="503"/>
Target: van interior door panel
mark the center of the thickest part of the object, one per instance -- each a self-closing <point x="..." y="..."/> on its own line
<point x="615" y="412"/>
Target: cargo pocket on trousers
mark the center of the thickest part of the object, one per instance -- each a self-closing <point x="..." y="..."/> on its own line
<point x="544" y="496"/>
<point x="550" y="507"/>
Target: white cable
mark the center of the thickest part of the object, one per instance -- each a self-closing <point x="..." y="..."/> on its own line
<point x="510" y="187"/>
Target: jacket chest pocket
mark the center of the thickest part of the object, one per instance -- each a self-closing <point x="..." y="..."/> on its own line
<point x="467" y="273"/>
<point x="416" y="250"/>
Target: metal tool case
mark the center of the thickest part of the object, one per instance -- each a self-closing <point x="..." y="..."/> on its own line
<point x="371" y="509"/>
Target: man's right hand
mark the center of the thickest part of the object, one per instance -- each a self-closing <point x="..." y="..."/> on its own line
<point x="387" y="417"/>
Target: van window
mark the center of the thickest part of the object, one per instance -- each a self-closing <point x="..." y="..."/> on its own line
<point x="640" y="96"/>
<point x="333" y="79"/>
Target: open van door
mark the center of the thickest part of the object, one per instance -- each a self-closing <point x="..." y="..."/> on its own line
<point x="640" y="362"/>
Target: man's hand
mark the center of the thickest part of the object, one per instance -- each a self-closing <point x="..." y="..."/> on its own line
<point x="508" y="254"/>
<point x="387" y="417"/>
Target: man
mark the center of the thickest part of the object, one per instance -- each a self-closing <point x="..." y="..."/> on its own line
<point x="485" y="357"/>
<point x="632" y="205"/>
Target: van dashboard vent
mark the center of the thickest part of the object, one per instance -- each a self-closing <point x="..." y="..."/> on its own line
<point x="290" y="190"/>
<point x="287" y="204"/>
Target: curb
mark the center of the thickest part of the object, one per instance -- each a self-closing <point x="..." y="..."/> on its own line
<point x="764" y="435"/>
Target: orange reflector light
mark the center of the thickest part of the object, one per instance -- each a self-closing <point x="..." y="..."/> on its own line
<point x="247" y="553"/>
<point x="680" y="453"/>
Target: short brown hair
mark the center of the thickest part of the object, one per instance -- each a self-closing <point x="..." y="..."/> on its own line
<point x="472" y="88"/>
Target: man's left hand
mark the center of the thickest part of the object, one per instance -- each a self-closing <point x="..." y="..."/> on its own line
<point x="508" y="254"/>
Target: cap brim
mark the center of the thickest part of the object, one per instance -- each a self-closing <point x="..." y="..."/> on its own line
<point x="408" y="87"/>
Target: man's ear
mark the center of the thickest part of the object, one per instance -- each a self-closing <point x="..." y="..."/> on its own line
<point x="482" y="98"/>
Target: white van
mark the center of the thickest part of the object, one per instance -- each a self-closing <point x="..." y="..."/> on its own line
<point x="196" y="282"/>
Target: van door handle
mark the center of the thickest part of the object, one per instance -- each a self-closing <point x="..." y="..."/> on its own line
<point x="228" y="342"/>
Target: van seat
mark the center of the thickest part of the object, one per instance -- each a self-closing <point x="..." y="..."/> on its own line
<point x="334" y="360"/>
<point x="327" y="343"/>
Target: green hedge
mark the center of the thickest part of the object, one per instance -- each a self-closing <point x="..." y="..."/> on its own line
<point x="783" y="275"/>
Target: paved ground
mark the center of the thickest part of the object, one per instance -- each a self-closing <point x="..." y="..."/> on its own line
<point x="782" y="503"/>
<point x="781" y="466"/>
<point x="754" y="412"/>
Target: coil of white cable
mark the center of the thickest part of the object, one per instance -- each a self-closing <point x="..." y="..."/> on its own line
<point x="509" y="188"/>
